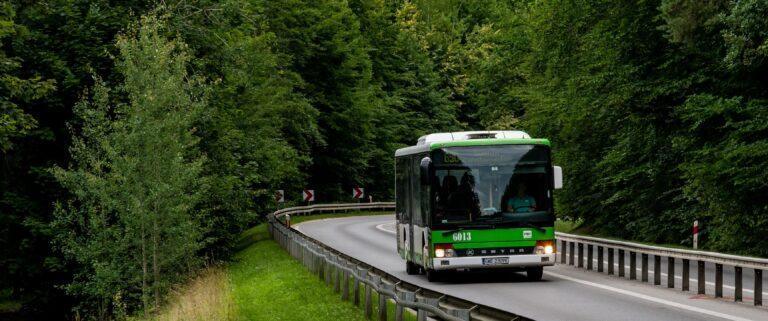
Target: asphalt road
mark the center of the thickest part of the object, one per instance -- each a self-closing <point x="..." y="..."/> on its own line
<point x="565" y="293"/>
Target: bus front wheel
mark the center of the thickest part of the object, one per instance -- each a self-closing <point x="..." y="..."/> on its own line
<point x="411" y="268"/>
<point x="534" y="273"/>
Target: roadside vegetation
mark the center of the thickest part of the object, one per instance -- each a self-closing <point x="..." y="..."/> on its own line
<point x="262" y="282"/>
<point x="139" y="139"/>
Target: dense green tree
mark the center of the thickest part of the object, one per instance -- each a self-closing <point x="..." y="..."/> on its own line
<point x="135" y="181"/>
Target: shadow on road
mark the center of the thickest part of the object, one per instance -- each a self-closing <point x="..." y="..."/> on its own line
<point x="486" y="276"/>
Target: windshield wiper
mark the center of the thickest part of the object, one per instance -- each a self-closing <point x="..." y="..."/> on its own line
<point x="473" y="227"/>
<point x="541" y="229"/>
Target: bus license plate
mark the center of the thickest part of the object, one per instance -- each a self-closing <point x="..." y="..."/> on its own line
<point x="495" y="260"/>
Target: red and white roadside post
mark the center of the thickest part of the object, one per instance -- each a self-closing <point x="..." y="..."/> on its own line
<point x="308" y="195"/>
<point x="695" y="234"/>
<point x="357" y="193"/>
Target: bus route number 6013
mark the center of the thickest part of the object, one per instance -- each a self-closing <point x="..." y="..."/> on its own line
<point x="462" y="236"/>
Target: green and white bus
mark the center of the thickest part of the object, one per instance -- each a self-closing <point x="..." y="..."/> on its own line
<point x="476" y="200"/>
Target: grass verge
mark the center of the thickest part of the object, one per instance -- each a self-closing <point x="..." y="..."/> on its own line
<point x="262" y="283"/>
<point x="268" y="284"/>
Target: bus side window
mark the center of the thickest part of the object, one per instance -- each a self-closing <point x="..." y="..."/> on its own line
<point x="415" y="193"/>
<point x="401" y="189"/>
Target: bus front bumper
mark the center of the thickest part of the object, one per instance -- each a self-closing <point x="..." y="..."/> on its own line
<point x="496" y="261"/>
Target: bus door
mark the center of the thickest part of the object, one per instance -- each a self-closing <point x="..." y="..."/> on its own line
<point x="403" y="194"/>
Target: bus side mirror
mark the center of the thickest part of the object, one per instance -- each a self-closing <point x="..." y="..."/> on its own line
<point x="557" y="172"/>
<point x="424" y="168"/>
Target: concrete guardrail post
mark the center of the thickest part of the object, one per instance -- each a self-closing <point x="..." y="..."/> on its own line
<point x="632" y="265"/>
<point x="671" y="272"/>
<point x="621" y="263"/>
<point x="644" y="267"/>
<point x="563" y="246"/>
<point x="737" y="284"/>
<point x="686" y="281"/>
<point x="570" y="253"/>
<point x="581" y="255"/>
<point x="718" y="280"/>
<point x="656" y="270"/>
<point x="589" y="257"/>
<point x="599" y="259"/>
<point x="610" y="261"/>
<point x="702" y="278"/>
<point x="758" y="287"/>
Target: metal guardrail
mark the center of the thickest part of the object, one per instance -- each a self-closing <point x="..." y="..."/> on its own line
<point x="337" y="268"/>
<point x="575" y="243"/>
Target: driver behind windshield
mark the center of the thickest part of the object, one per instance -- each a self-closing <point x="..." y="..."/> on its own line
<point x="521" y="202"/>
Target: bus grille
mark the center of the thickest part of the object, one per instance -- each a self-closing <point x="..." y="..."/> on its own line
<point x="495" y="251"/>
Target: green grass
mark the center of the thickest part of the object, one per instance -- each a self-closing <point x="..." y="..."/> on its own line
<point x="566" y="226"/>
<point x="268" y="284"/>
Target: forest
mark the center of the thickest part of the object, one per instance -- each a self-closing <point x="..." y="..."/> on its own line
<point x="138" y="138"/>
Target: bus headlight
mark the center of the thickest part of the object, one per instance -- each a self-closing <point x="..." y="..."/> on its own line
<point x="444" y="250"/>
<point x="545" y="247"/>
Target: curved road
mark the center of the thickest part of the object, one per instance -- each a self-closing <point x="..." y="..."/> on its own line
<point x="566" y="293"/>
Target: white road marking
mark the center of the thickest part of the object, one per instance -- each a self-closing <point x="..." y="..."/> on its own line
<point x="649" y="298"/>
<point x="380" y="227"/>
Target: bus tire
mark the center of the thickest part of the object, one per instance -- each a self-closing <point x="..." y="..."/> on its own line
<point x="534" y="273"/>
<point x="433" y="276"/>
<point x="411" y="268"/>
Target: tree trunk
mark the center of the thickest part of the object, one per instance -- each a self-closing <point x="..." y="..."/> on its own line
<point x="155" y="267"/>
<point x="144" y="289"/>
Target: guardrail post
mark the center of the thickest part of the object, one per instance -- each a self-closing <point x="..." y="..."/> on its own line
<point x="632" y="265"/>
<point x="718" y="280"/>
<point x="564" y="251"/>
<point x="686" y="281"/>
<point x="345" y="284"/>
<point x="589" y="256"/>
<point x="670" y="272"/>
<point x="383" y="299"/>
<point x="570" y="253"/>
<point x="656" y="270"/>
<point x="621" y="263"/>
<point x="361" y="273"/>
<point x="758" y="287"/>
<point x="702" y="278"/>
<point x="368" y="303"/>
<point x="421" y="315"/>
<point x="581" y="255"/>
<point x="320" y="266"/>
<point x="737" y="284"/>
<point x="402" y="296"/>
<point x="644" y="268"/>
<point x="336" y="278"/>
<point x="599" y="259"/>
<point x="610" y="261"/>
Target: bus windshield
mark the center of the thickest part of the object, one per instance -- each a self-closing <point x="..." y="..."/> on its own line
<point x="507" y="185"/>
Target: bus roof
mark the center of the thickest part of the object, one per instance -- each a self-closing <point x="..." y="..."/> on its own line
<point x="474" y="138"/>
